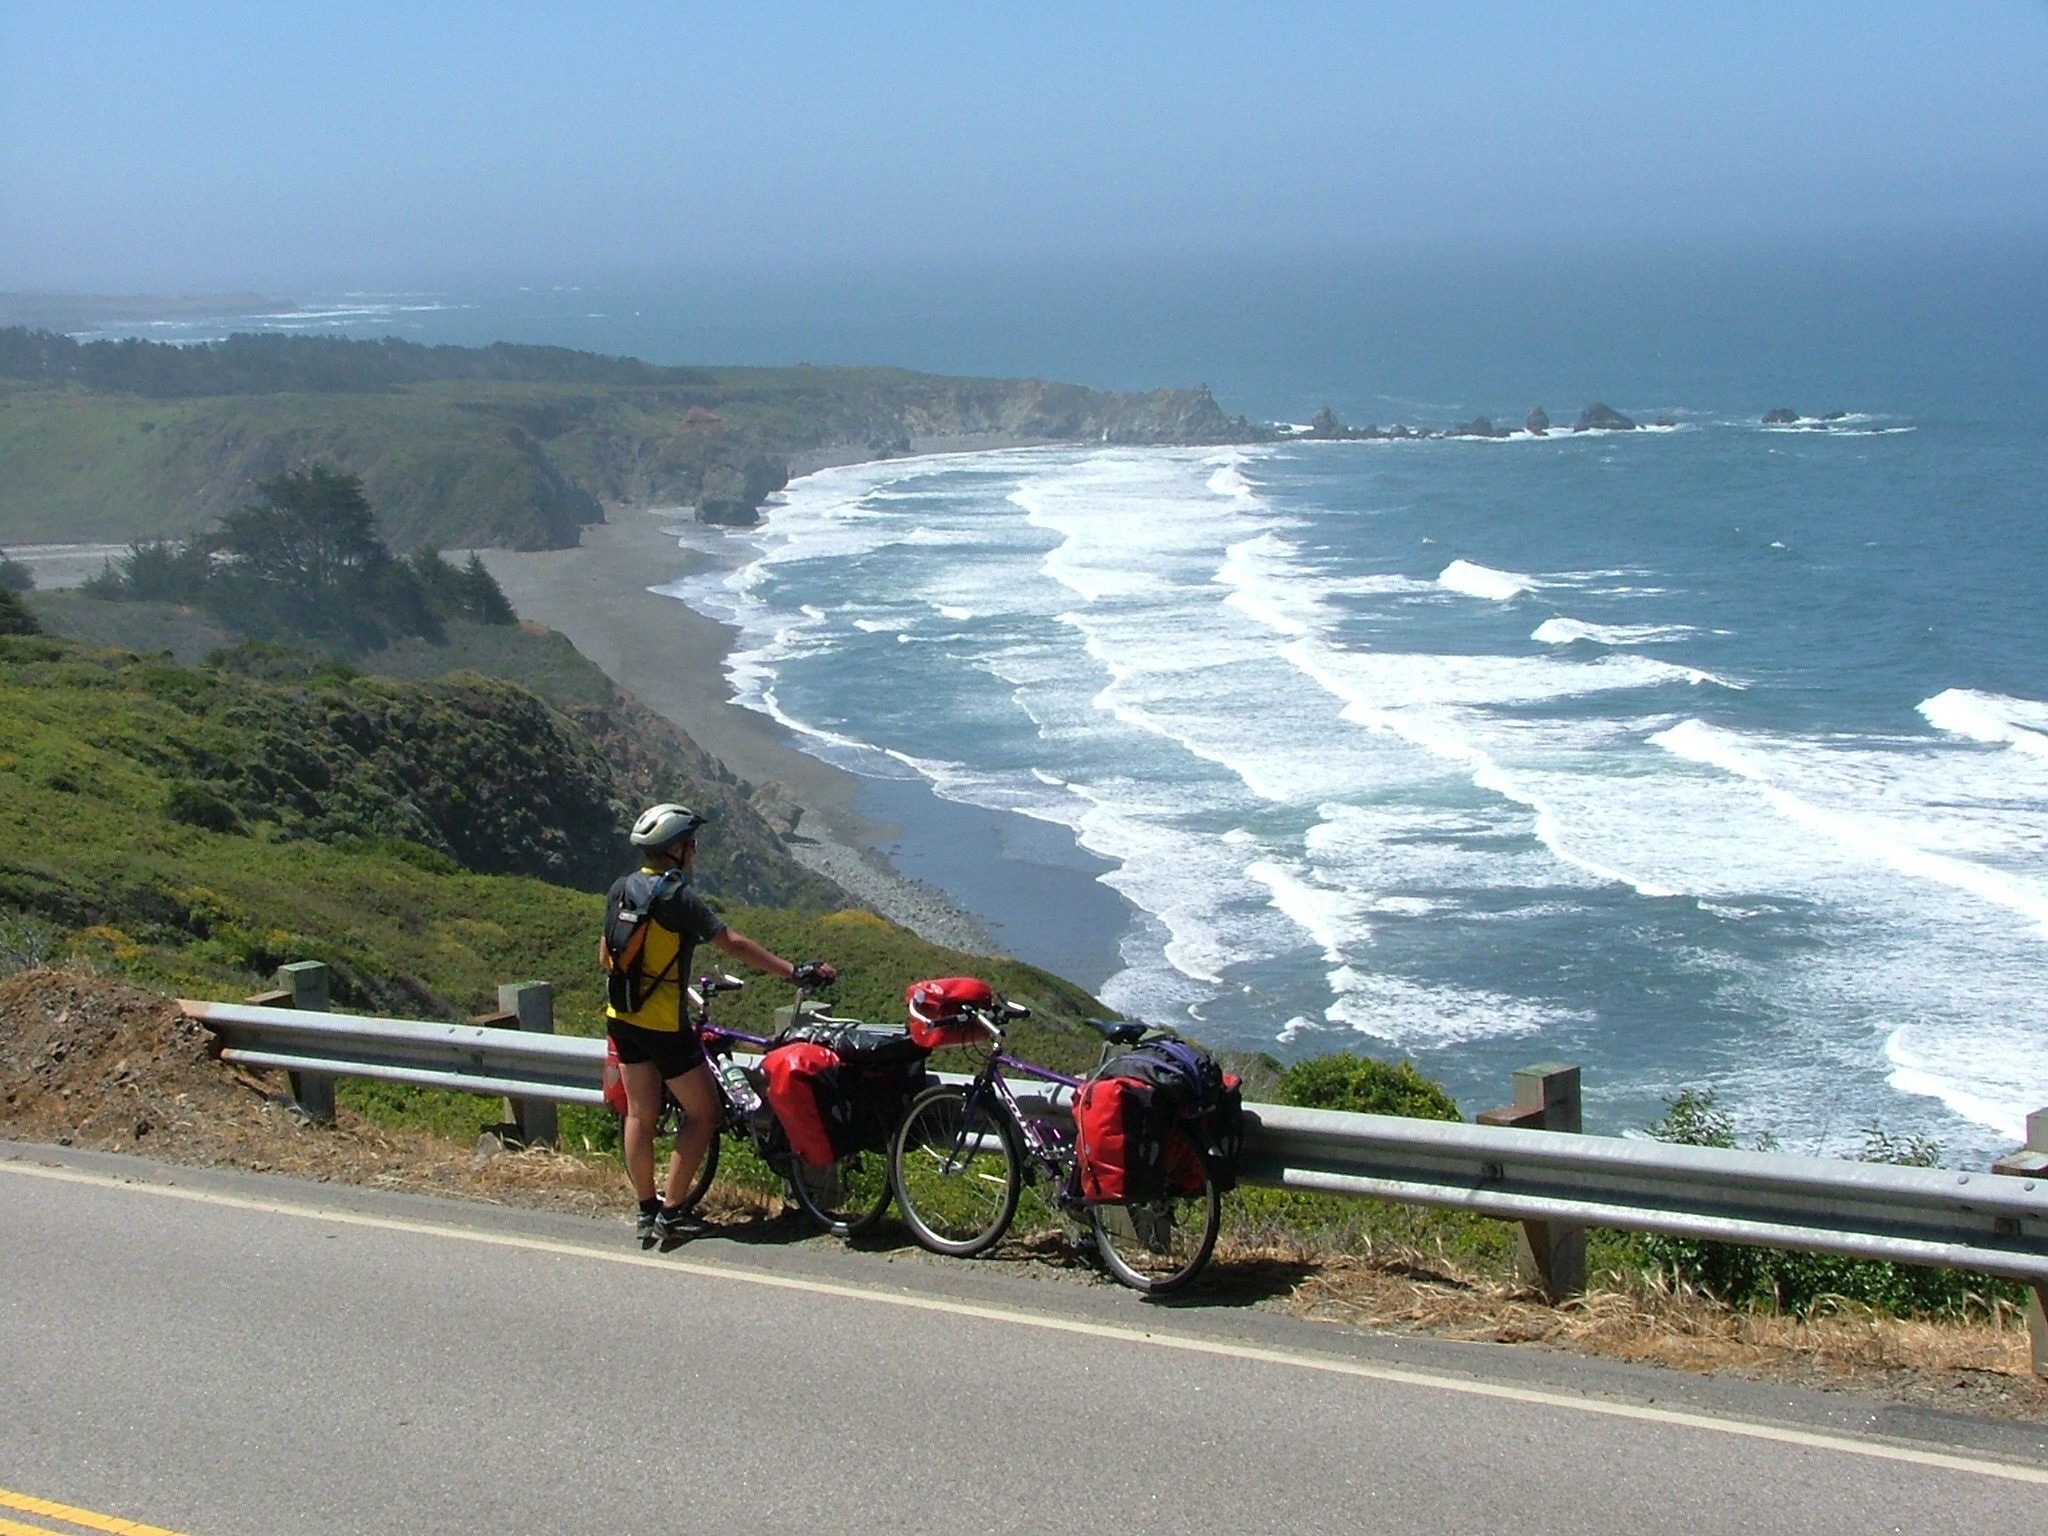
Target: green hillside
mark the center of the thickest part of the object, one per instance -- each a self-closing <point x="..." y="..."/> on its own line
<point x="196" y="827"/>
<point x="463" y="447"/>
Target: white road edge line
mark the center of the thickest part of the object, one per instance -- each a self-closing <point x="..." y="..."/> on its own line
<point x="1330" y="1365"/>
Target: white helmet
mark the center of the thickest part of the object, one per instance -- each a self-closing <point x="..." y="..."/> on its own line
<point x="660" y="825"/>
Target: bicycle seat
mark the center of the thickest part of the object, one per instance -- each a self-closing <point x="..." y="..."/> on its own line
<point x="1118" y="1031"/>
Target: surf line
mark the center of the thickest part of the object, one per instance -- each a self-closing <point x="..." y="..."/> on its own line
<point x="1046" y="1323"/>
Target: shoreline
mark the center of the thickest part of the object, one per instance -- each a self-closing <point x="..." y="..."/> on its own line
<point x="672" y="658"/>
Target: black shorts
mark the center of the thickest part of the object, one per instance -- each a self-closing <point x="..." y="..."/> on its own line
<point x="673" y="1051"/>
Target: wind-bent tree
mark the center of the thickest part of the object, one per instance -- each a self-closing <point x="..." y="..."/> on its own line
<point x="304" y="560"/>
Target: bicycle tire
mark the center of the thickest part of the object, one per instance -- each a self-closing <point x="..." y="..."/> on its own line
<point x="844" y="1198"/>
<point x="707" y="1170"/>
<point x="956" y="1181"/>
<point x="1158" y="1246"/>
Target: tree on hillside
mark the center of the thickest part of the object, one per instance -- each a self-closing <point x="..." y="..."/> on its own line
<point x="14" y="575"/>
<point x="303" y="564"/>
<point x="471" y="592"/>
<point x="304" y="560"/>
<point x="15" y="615"/>
<point x="155" y="571"/>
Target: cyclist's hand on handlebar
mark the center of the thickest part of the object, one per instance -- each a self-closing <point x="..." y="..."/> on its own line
<point x="813" y="974"/>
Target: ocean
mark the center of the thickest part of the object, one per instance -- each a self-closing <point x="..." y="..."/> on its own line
<point x="1709" y="755"/>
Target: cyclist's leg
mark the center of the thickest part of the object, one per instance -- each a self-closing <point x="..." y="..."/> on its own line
<point x="698" y="1095"/>
<point x="643" y="1110"/>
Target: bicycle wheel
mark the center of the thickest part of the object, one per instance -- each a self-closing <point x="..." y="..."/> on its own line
<point x="956" y="1175"/>
<point x="845" y="1198"/>
<point x="707" y="1170"/>
<point x="1157" y="1246"/>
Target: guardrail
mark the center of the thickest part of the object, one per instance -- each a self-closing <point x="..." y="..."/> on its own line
<point x="1556" y="1185"/>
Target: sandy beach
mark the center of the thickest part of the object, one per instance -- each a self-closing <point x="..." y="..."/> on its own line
<point x="671" y="658"/>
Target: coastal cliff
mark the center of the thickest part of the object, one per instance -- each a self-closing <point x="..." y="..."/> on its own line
<point x="500" y="446"/>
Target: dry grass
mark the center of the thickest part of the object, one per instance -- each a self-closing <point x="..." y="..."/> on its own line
<point x="1977" y="1367"/>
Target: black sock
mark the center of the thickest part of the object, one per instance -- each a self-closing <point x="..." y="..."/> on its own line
<point x="651" y="1205"/>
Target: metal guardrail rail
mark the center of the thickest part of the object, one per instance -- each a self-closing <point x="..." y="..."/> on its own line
<point x="473" y="1058"/>
<point x="1974" y="1221"/>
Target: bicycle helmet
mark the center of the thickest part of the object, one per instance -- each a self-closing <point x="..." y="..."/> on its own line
<point x="660" y="825"/>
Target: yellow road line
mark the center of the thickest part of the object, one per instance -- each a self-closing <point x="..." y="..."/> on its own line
<point x="1327" y="1364"/>
<point x="49" y="1509"/>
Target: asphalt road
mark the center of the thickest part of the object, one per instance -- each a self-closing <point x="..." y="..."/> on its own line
<point x="220" y="1354"/>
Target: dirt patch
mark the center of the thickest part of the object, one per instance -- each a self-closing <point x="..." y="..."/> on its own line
<point x="92" y="1063"/>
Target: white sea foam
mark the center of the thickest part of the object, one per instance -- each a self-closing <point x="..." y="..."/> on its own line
<point x="1484" y="581"/>
<point x="1564" y="631"/>
<point x="1414" y="1015"/>
<point x="1257" y="570"/>
<point x="2018" y="723"/>
<point x="1334" y="919"/>
<point x="1961" y="1092"/>
<point x="1228" y="482"/>
<point x="1881" y="840"/>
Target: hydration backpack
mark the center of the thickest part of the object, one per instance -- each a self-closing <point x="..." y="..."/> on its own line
<point x="1154" y="1121"/>
<point x="626" y="986"/>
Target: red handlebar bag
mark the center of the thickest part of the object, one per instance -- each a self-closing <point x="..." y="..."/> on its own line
<point x="938" y="1010"/>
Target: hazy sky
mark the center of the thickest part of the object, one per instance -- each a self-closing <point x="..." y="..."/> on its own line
<point x="208" y="146"/>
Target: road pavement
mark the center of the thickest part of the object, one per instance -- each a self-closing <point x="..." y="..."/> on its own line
<point x="218" y="1354"/>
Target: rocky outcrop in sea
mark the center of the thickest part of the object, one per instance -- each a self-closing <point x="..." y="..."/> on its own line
<point x="1328" y="426"/>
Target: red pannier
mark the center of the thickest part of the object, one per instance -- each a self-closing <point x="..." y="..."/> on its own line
<point x="614" y="1078"/>
<point x="938" y="1010"/>
<point x="803" y="1090"/>
<point x="1119" y="1141"/>
<point x="1137" y="1121"/>
<point x="839" y="1087"/>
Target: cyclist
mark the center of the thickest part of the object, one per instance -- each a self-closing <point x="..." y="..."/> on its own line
<point x="655" y="1041"/>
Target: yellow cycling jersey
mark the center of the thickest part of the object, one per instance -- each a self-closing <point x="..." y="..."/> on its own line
<point x="677" y="925"/>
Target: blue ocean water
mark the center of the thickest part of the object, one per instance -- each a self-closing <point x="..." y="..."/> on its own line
<point x="1715" y="754"/>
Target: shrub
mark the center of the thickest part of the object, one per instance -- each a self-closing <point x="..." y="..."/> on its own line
<point x="1364" y="1086"/>
<point x="1741" y="1275"/>
<point x="15" y="576"/>
<point x="197" y="805"/>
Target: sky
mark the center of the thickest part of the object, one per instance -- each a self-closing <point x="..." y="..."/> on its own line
<point x="194" y="147"/>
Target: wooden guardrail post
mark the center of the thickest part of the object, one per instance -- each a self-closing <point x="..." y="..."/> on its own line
<point x="307" y="985"/>
<point x="2031" y="1163"/>
<point x="532" y="1004"/>
<point x="1548" y="1254"/>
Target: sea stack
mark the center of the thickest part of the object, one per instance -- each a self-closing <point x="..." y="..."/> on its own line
<point x="1601" y="417"/>
<point x="1537" y="422"/>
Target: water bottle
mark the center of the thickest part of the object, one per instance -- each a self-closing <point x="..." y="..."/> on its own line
<point x="738" y="1091"/>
